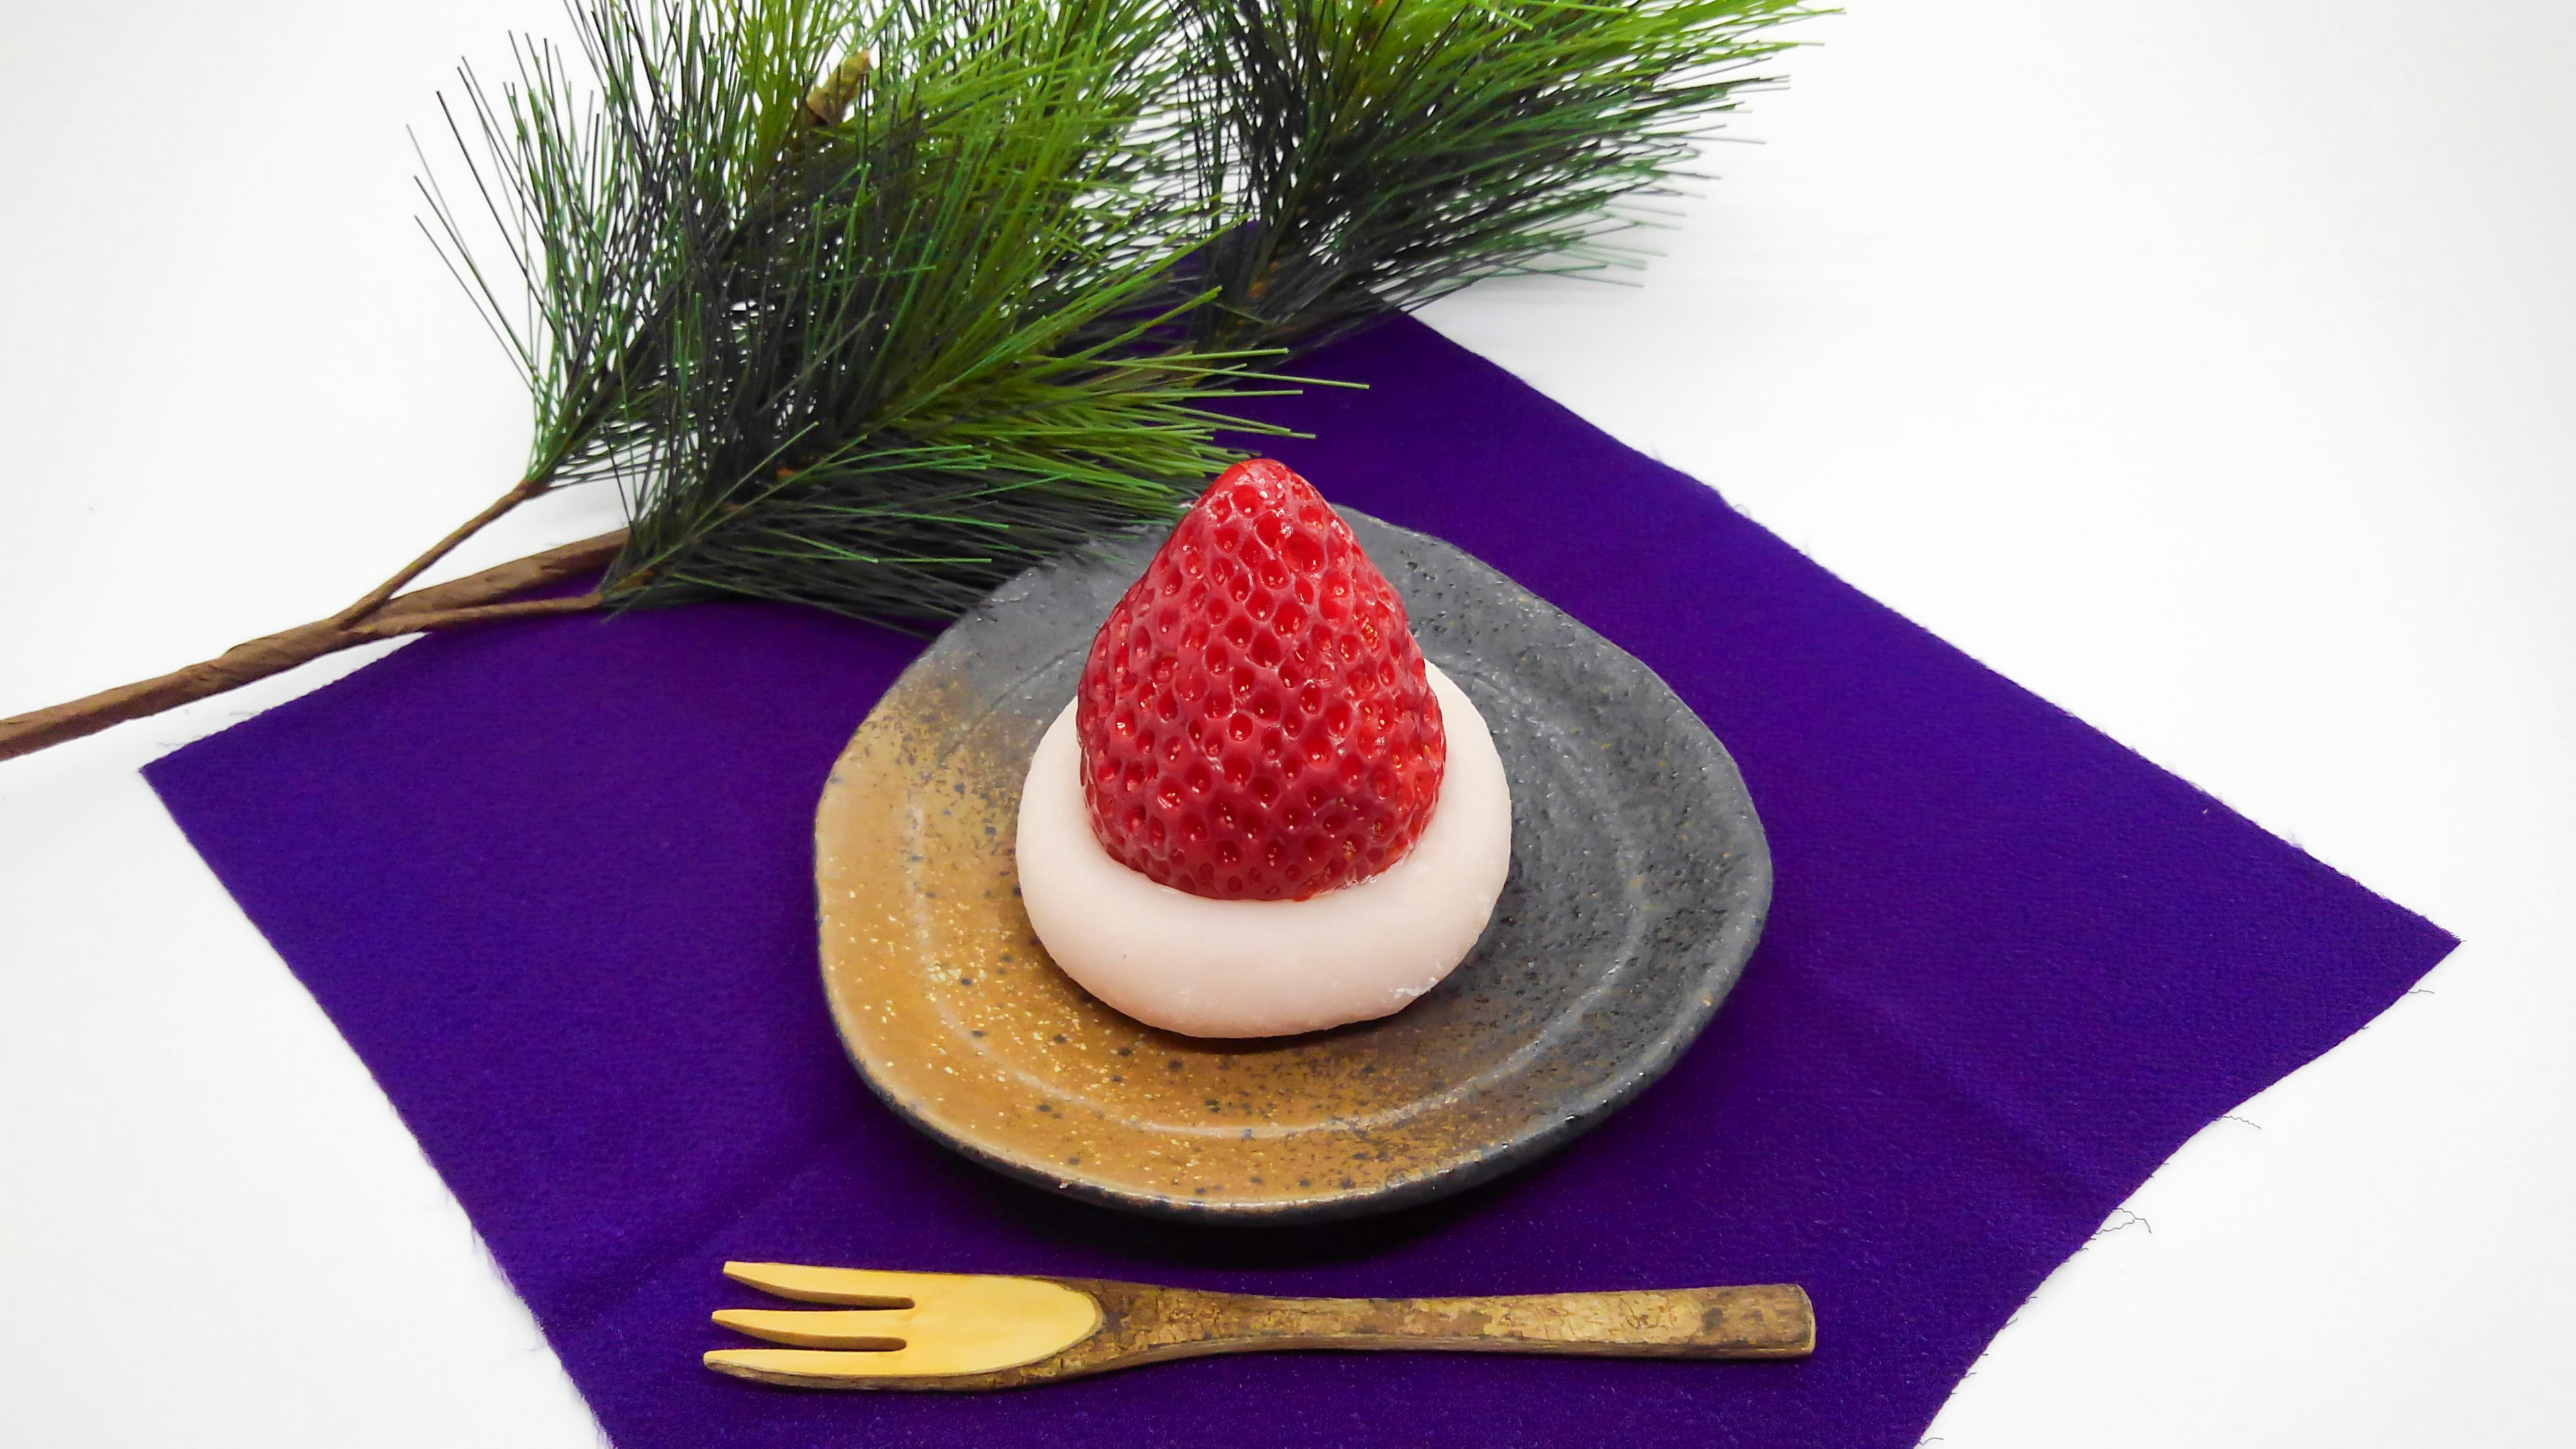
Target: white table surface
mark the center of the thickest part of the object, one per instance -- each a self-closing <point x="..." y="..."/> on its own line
<point x="2209" y="368"/>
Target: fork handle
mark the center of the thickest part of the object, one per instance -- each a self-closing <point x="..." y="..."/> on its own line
<point x="1766" y="1321"/>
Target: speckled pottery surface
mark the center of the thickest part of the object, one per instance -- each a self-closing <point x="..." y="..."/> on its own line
<point x="1638" y="884"/>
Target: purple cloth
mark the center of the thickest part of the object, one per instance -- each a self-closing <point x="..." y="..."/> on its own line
<point x="554" y="884"/>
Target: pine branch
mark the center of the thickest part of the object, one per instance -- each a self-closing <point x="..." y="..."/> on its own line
<point x="866" y="304"/>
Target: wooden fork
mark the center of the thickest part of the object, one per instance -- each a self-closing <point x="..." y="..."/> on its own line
<point x="969" y="1331"/>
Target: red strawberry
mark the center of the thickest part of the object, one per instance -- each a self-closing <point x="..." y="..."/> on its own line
<point x="1254" y="718"/>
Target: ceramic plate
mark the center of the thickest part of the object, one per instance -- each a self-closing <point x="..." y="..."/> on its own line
<point x="1638" y="884"/>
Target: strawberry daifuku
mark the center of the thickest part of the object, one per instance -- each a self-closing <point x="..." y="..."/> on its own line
<point x="1254" y="717"/>
<point x="1265" y="812"/>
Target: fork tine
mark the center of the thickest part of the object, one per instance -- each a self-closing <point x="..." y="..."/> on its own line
<point x="808" y="1328"/>
<point x="941" y="1325"/>
<point x="809" y="1367"/>
<point x="848" y="1287"/>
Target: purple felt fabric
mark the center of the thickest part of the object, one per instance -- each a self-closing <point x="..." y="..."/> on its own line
<point x="553" y="883"/>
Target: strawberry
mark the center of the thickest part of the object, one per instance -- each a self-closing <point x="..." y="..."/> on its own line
<point x="1254" y="718"/>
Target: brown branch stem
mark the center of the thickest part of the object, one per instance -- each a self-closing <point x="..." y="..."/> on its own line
<point x="374" y="599"/>
<point x="419" y="623"/>
<point x="473" y="599"/>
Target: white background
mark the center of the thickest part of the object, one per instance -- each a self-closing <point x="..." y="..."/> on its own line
<point x="2209" y="368"/>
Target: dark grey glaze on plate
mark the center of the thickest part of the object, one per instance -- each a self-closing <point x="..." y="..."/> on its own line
<point x="1638" y="885"/>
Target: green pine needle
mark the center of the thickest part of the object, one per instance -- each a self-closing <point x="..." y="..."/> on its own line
<point x="1387" y="152"/>
<point x="982" y="293"/>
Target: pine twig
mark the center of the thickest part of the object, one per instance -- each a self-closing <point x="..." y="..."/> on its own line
<point x="422" y="622"/>
<point x="491" y="594"/>
<point x="375" y="598"/>
<point x="830" y="99"/>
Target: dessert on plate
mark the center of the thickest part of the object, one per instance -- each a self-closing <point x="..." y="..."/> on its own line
<point x="1264" y="812"/>
<point x="1638" y="874"/>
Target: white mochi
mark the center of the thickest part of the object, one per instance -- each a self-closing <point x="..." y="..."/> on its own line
<point x="1266" y="968"/>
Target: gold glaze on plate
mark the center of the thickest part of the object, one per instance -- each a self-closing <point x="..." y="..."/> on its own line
<point x="1639" y="881"/>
